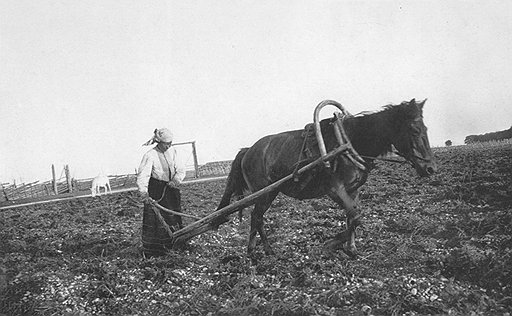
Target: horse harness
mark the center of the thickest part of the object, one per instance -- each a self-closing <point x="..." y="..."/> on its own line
<point x="341" y="136"/>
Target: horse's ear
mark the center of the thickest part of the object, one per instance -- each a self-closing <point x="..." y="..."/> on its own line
<point x="414" y="108"/>
<point x="421" y="104"/>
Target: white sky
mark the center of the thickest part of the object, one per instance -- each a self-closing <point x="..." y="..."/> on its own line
<point x="85" y="83"/>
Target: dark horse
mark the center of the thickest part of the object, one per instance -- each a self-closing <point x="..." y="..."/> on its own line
<point x="372" y="134"/>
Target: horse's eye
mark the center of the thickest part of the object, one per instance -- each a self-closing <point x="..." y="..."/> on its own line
<point x="415" y="130"/>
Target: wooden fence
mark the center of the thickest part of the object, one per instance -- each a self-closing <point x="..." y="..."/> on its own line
<point x="20" y="191"/>
<point x="12" y="192"/>
<point x="218" y="168"/>
<point x="34" y="190"/>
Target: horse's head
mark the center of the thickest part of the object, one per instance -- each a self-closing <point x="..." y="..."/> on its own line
<point x="411" y="138"/>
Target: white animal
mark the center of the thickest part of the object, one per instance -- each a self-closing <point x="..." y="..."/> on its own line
<point x="100" y="181"/>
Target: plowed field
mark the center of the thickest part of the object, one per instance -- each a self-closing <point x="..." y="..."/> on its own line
<point x="438" y="245"/>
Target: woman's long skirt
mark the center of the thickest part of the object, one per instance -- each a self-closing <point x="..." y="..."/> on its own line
<point x="155" y="239"/>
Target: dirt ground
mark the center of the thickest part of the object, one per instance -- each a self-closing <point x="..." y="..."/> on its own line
<point x="438" y="245"/>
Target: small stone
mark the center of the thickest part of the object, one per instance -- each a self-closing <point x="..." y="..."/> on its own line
<point x="414" y="291"/>
<point x="379" y="283"/>
<point x="433" y="297"/>
<point x="366" y="310"/>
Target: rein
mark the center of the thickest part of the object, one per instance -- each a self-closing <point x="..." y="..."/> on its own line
<point x="396" y="161"/>
<point x="386" y="159"/>
<point x="155" y="203"/>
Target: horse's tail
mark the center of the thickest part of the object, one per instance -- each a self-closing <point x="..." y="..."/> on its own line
<point x="235" y="186"/>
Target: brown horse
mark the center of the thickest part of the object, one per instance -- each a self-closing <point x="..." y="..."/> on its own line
<point x="372" y="134"/>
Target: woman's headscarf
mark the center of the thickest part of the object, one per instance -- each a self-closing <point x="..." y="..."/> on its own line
<point x="161" y="135"/>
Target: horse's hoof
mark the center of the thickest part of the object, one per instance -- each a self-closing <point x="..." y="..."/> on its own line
<point x="333" y="244"/>
<point x="343" y="237"/>
<point x="270" y="252"/>
<point x="254" y="260"/>
<point x="358" y="221"/>
<point x="351" y="252"/>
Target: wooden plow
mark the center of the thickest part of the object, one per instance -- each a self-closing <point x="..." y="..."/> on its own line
<point x="212" y="220"/>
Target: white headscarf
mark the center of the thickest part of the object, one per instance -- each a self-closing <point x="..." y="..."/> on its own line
<point x="161" y="135"/>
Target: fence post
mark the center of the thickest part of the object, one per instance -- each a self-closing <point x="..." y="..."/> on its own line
<point x="68" y="179"/>
<point x="194" y="153"/>
<point x="54" y="181"/>
<point x="5" y="193"/>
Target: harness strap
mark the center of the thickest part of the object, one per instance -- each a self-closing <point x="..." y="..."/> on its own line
<point x="296" y="169"/>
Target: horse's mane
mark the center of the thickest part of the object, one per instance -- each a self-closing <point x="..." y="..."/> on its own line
<point x="371" y="131"/>
<point x="376" y="126"/>
<point x="387" y="107"/>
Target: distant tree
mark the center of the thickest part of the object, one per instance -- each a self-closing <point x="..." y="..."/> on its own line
<point x="494" y="136"/>
<point x="470" y="139"/>
<point x="448" y="143"/>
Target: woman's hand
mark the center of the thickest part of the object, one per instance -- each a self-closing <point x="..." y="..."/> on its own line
<point x="173" y="183"/>
<point x="144" y="196"/>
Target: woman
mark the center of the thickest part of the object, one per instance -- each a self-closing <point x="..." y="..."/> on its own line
<point x="159" y="176"/>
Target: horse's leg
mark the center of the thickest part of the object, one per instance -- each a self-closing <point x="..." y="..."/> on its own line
<point x="339" y="194"/>
<point x="350" y="221"/>
<point x="257" y="222"/>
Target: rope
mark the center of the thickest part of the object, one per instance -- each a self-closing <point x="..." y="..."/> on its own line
<point x="163" y="194"/>
<point x="154" y="203"/>
<point x="164" y="224"/>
